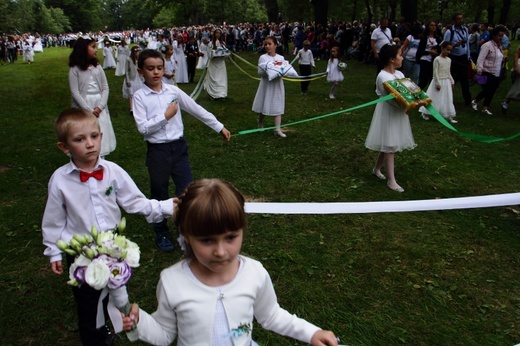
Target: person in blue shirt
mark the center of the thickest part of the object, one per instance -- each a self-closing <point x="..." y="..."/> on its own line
<point x="460" y="54"/>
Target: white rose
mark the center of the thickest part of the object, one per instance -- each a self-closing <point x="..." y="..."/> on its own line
<point x="133" y="256"/>
<point x="97" y="274"/>
<point x="81" y="260"/>
<point x="131" y="245"/>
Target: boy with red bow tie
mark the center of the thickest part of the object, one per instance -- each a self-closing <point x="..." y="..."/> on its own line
<point x="86" y="192"/>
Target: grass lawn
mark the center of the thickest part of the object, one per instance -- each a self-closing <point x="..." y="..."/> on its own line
<point x="417" y="278"/>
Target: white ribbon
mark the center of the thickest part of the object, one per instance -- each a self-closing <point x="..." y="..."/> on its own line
<point x="113" y="313"/>
<point x="384" y="207"/>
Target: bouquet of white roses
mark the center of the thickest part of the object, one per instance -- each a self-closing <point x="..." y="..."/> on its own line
<point x="104" y="260"/>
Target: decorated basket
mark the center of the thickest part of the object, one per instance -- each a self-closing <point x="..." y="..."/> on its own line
<point x="407" y="93"/>
<point x="221" y="52"/>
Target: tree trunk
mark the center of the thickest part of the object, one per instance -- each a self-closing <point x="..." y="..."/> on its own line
<point x="369" y="12"/>
<point x="409" y="10"/>
<point x="504" y="11"/>
<point x="272" y="11"/>
<point x="376" y="11"/>
<point x="321" y="9"/>
<point x="491" y="12"/>
<point x="354" y="11"/>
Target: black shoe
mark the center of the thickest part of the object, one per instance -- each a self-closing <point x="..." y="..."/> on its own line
<point x="109" y="336"/>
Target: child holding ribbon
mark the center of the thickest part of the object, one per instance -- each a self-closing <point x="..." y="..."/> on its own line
<point x="270" y="96"/>
<point x="212" y="296"/>
<point x="390" y="130"/>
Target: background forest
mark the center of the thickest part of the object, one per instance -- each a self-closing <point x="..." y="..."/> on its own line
<point x="60" y="16"/>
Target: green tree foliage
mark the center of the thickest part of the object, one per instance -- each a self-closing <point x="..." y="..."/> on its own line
<point x="84" y="15"/>
<point x="139" y="14"/>
<point x="113" y="15"/>
<point x="51" y="20"/>
<point x="194" y="12"/>
<point x="25" y="13"/>
<point x="53" y="16"/>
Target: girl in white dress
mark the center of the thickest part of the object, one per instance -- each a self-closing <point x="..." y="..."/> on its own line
<point x="181" y="72"/>
<point x="169" y="65"/>
<point x="89" y="88"/>
<point x="212" y="296"/>
<point x="28" y="52"/>
<point x="334" y="75"/>
<point x="133" y="81"/>
<point x="390" y="130"/>
<point x="109" y="62"/>
<point x="37" y="46"/>
<point x="216" y="81"/>
<point x="270" y="96"/>
<point x="122" y="54"/>
<point x="441" y="87"/>
<point x="205" y="51"/>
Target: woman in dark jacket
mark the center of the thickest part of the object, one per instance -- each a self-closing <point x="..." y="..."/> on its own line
<point x="427" y="52"/>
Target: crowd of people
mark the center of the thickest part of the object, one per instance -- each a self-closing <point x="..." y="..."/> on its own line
<point x="429" y="53"/>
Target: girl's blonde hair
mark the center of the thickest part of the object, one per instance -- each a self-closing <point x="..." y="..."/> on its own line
<point x="70" y="117"/>
<point x="209" y="207"/>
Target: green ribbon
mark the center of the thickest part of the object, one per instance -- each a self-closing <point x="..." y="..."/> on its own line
<point x="478" y="138"/>
<point x="385" y="98"/>
<point x="430" y="108"/>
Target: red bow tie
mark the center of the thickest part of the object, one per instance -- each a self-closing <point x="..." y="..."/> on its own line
<point x="97" y="174"/>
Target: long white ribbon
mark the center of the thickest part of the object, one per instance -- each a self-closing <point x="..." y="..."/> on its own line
<point x="384" y="207"/>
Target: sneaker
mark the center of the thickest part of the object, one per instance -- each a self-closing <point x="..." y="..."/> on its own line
<point x="280" y="134"/>
<point x="504" y="107"/>
<point x="474" y="105"/>
<point x="163" y="242"/>
<point x="486" y="111"/>
<point x="331" y="97"/>
<point x="453" y="121"/>
<point x="424" y="116"/>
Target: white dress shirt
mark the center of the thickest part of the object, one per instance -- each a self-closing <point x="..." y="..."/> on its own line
<point x="149" y="108"/>
<point x="73" y="207"/>
<point x="306" y="57"/>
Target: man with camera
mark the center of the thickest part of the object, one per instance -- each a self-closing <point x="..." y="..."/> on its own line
<point x="458" y="36"/>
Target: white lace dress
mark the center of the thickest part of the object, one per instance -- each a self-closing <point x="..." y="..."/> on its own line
<point x="181" y="71"/>
<point x="390" y="130"/>
<point x="270" y="96"/>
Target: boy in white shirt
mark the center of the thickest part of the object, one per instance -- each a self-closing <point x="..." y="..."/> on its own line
<point x="306" y="60"/>
<point x="89" y="191"/>
<point x="157" y="113"/>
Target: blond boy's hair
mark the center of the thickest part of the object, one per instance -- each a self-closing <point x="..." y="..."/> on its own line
<point x="71" y="116"/>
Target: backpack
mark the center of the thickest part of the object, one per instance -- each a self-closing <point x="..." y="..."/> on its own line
<point x="453" y="32"/>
